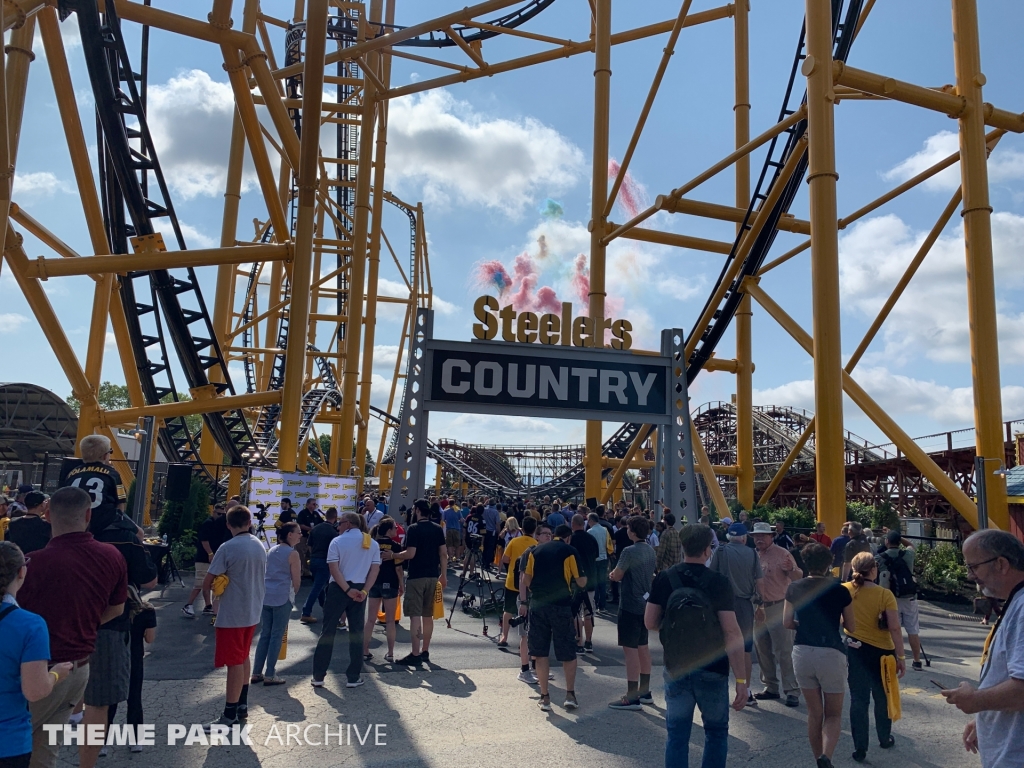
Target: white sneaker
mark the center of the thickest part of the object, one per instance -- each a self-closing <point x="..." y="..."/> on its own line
<point x="188" y="612"/>
<point x="316" y="683"/>
<point x="355" y="683"/>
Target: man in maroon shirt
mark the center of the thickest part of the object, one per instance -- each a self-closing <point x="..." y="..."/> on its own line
<point x="75" y="583"/>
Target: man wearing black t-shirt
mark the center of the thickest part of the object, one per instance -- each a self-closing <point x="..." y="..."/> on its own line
<point x="30" y="531"/>
<point x="620" y="537"/>
<point x="427" y="555"/>
<point x="547" y="579"/>
<point x="320" y="539"/>
<point x="101" y="481"/>
<point x="308" y="517"/>
<point x="286" y="515"/>
<point x="212" y="533"/>
<point x="708" y="684"/>
<point x="583" y="601"/>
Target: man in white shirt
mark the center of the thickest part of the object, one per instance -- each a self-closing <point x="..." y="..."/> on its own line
<point x="373" y="514"/>
<point x="995" y="560"/>
<point x="354" y="560"/>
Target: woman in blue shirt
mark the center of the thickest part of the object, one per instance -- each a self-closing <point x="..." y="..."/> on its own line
<point x="24" y="654"/>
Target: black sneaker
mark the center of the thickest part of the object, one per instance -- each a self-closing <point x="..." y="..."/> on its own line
<point x="208" y="610"/>
<point x="243" y="714"/>
<point x="425" y="657"/>
<point x="410" y="661"/>
<point x="580" y="650"/>
<point x="888" y="743"/>
<point x="766" y="695"/>
<point x="824" y="762"/>
<point x="626" y="703"/>
<point x="917" y="666"/>
<point x="792" y="701"/>
<point x="859" y="756"/>
<point x="588" y="647"/>
<point x="646" y="698"/>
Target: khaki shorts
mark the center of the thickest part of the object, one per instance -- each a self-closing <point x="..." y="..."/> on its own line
<point x="823" y="668"/>
<point x="419" y="597"/>
<point x="201" y="569"/>
<point x="453" y="538"/>
<point x="909" y="619"/>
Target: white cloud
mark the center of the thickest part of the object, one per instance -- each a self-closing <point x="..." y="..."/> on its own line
<point x="930" y="318"/>
<point x="43" y="183"/>
<point x="385" y="354"/>
<point x="898" y="395"/>
<point x="11" y="322"/>
<point x="196" y="239"/>
<point x="474" y="427"/>
<point x="1003" y="165"/>
<point x="460" y="156"/>
<point x="190" y="118"/>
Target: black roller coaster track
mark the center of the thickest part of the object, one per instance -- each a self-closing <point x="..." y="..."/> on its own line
<point x="129" y="162"/>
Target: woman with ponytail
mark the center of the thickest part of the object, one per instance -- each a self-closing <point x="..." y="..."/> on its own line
<point x="876" y="635"/>
<point x="24" y="655"/>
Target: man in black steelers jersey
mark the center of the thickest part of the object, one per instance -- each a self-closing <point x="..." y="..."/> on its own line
<point x="101" y="481"/>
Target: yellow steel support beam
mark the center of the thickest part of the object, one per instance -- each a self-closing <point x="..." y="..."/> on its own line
<point x="350" y="465"/>
<point x="599" y="220"/>
<point x="553" y="54"/>
<point x="829" y="445"/>
<point x="114" y="418"/>
<point x="981" y="284"/>
<point x="744" y="350"/>
<point x="914" y="453"/>
<point x="376" y="233"/>
<point x="121" y="264"/>
<point x="787" y="223"/>
<point x="700" y="459"/>
<point x="679" y="241"/>
<point x="302" y="266"/>
<point x="625" y="463"/>
<point x="872" y="331"/>
<point x="954" y="105"/>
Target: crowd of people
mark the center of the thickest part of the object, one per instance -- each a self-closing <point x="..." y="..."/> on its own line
<point x="820" y="616"/>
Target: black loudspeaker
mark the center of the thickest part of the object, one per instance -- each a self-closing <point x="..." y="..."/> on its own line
<point x="67" y="463"/>
<point x="179" y="478"/>
<point x="592" y="502"/>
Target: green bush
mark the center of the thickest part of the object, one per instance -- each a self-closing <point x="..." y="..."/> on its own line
<point x="793" y="517"/>
<point x="861" y="513"/>
<point x="941" y="567"/>
<point x="885" y="517"/>
<point x="183" y="550"/>
<point x="179" y="518"/>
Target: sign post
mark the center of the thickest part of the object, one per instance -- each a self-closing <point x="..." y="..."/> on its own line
<point x="548" y="381"/>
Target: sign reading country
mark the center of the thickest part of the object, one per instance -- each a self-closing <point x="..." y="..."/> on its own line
<point x="573" y="383"/>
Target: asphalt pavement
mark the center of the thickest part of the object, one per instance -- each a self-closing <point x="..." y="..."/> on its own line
<point x="468" y="708"/>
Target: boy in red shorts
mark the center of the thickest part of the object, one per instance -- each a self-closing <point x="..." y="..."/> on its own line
<point x="243" y="560"/>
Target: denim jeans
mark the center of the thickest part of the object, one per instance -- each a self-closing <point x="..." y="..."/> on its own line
<point x="321" y="575"/>
<point x="710" y="692"/>
<point x="274" y="623"/>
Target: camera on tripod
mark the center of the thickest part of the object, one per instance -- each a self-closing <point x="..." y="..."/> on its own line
<point x="261" y="512"/>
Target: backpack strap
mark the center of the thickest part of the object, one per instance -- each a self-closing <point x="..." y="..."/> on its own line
<point x="6" y="610"/>
<point x="674" y="578"/>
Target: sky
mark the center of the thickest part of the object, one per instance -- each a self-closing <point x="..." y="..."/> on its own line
<point x="503" y="167"/>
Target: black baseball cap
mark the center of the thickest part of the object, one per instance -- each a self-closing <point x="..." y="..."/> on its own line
<point x="893" y="537"/>
<point x="26" y="488"/>
<point x="422" y="506"/>
<point x="34" y="499"/>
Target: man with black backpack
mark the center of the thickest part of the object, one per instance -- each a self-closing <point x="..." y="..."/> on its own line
<point x="693" y="610"/>
<point x="896" y="573"/>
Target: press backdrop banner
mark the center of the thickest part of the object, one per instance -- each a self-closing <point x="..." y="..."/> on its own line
<point x="268" y="486"/>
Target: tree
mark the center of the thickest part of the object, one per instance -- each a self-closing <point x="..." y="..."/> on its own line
<point x="113" y="397"/>
<point x="323" y="442"/>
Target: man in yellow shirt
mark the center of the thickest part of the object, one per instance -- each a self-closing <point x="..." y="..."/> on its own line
<point x="515" y="549"/>
<point x="4" y="519"/>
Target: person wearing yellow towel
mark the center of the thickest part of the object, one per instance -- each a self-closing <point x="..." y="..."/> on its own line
<point x="876" y="634"/>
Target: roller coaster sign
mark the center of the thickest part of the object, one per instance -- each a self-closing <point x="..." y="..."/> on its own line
<point x="530" y="380"/>
<point x="548" y="381"/>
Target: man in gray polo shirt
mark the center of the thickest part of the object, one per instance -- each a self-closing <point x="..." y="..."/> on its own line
<point x="740" y="565"/>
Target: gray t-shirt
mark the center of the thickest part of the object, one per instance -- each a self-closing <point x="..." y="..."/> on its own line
<point x="740" y="564"/>
<point x="638" y="563"/>
<point x="1001" y="732"/>
<point x="244" y="560"/>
